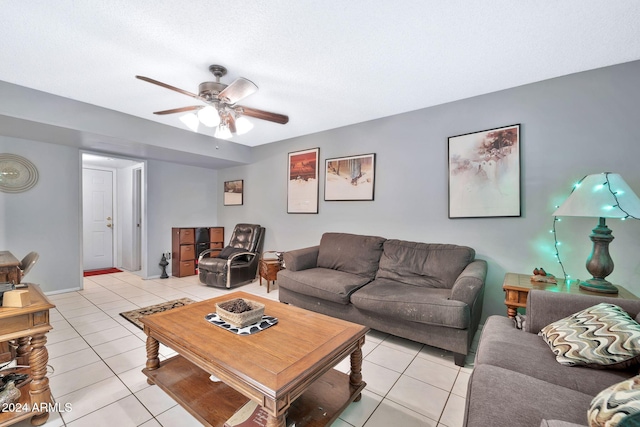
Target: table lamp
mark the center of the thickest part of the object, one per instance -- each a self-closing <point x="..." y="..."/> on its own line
<point x="602" y="195"/>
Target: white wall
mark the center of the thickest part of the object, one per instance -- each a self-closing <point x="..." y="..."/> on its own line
<point x="46" y="218"/>
<point x="571" y="126"/>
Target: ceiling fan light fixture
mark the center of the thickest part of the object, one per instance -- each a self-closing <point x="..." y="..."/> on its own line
<point x="243" y="125"/>
<point x="223" y="132"/>
<point x="209" y="116"/>
<point x="191" y="121"/>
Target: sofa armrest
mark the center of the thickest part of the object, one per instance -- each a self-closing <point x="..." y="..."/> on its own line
<point x="301" y="259"/>
<point x="470" y="283"/>
<point x="545" y="307"/>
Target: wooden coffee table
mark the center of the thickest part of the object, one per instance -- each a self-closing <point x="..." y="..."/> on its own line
<point x="286" y="368"/>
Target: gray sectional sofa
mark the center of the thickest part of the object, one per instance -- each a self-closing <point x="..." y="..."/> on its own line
<point x="430" y="293"/>
<point x="517" y="381"/>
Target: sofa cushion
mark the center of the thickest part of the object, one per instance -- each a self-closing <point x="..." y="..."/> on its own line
<point x="612" y="405"/>
<point x="322" y="283"/>
<point x="423" y="264"/>
<point x="501" y="344"/>
<point x="396" y="300"/>
<point x="497" y="397"/>
<point x="350" y="253"/>
<point x="602" y="336"/>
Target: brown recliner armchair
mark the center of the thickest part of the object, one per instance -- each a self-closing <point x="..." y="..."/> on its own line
<point x="237" y="263"/>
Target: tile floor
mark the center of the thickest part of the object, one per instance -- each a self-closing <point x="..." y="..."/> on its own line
<point x="96" y="358"/>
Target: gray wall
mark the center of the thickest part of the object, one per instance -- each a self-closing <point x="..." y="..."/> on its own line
<point x="571" y="126"/>
<point x="46" y="218"/>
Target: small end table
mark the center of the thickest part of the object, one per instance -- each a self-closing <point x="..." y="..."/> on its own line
<point x="517" y="287"/>
<point x="268" y="269"/>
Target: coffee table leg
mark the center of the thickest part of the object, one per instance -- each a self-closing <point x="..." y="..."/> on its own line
<point x="276" y="421"/>
<point x="153" y="362"/>
<point x="355" y="378"/>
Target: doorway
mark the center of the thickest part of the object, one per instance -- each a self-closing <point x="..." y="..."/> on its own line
<point x="113" y="212"/>
<point x="97" y="219"/>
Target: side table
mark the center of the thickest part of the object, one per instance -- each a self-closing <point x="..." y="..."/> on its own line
<point x="28" y="326"/>
<point x="517" y="288"/>
<point x="268" y="269"/>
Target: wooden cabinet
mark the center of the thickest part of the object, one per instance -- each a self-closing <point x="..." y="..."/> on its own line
<point x="188" y="242"/>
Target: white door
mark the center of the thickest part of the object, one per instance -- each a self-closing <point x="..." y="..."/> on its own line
<point x="97" y="214"/>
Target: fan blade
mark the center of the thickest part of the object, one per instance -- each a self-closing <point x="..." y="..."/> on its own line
<point x="237" y="90"/>
<point x="179" y="110"/>
<point x="164" y="85"/>
<point x="264" y="115"/>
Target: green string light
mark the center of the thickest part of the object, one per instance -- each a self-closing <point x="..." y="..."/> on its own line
<point x="556" y="219"/>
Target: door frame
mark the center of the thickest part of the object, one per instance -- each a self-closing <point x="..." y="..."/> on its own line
<point x="143" y="206"/>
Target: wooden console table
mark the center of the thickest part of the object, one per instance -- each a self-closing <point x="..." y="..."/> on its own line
<point x="28" y="326"/>
<point x="268" y="269"/>
<point x="517" y="288"/>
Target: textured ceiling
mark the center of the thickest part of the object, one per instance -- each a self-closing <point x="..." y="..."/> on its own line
<point x="326" y="64"/>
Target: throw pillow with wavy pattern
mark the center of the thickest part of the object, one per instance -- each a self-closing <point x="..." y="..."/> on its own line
<point x="617" y="405"/>
<point x="602" y="336"/>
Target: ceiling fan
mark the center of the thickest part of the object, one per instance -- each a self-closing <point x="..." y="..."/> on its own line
<point x="220" y="109"/>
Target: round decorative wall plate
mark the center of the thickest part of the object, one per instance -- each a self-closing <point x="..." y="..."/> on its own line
<point x="17" y="174"/>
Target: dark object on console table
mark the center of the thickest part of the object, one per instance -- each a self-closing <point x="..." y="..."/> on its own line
<point x="518" y="370"/>
<point x="430" y="293"/>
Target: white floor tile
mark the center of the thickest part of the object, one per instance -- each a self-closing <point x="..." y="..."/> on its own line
<point x="432" y="373"/>
<point x="461" y="384"/>
<point x="134" y="379"/>
<point x="66" y="347"/>
<point x="390" y="358"/>
<point x="177" y="416"/>
<point x="389" y="413"/>
<point x="106" y="335"/>
<point x="127" y="412"/>
<point x="378" y="378"/>
<point x="73" y="361"/>
<point x="126" y="361"/>
<point x="93" y="397"/>
<point x="57" y="335"/>
<point x="155" y="400"/>
<point x="453" y="414"/>
<point x="78" y="378"/>
<point x="419" y="397"/>
<point x="357" y="413"/>
<point x="118" y="346"/>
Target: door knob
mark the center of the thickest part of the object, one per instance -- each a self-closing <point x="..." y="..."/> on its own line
<point x="108" y="218"/>
<point x="109" y="225"/>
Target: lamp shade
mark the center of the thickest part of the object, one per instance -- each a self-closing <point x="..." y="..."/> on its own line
<point x="601" y="195"/>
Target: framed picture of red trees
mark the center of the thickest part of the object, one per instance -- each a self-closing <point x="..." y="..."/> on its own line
<point x="484" y="173"/>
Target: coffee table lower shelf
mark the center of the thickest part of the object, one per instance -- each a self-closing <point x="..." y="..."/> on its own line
<point x="212" y="403"/>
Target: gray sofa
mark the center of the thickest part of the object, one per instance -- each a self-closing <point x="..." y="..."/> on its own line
<point x="430" y="293"/>
<point x="517" y="381"/>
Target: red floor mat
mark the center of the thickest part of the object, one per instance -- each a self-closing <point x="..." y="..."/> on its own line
<point x="101" y="271"/>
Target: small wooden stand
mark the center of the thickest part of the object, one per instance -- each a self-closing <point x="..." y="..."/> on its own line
<point x="268" y="269"/>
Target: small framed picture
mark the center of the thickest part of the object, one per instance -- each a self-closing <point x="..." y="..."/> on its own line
<point x="233" y="191"/>
<point x="302" y="187"/>
<point x="484" y="173"/>
<point x="350" y="178"/>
